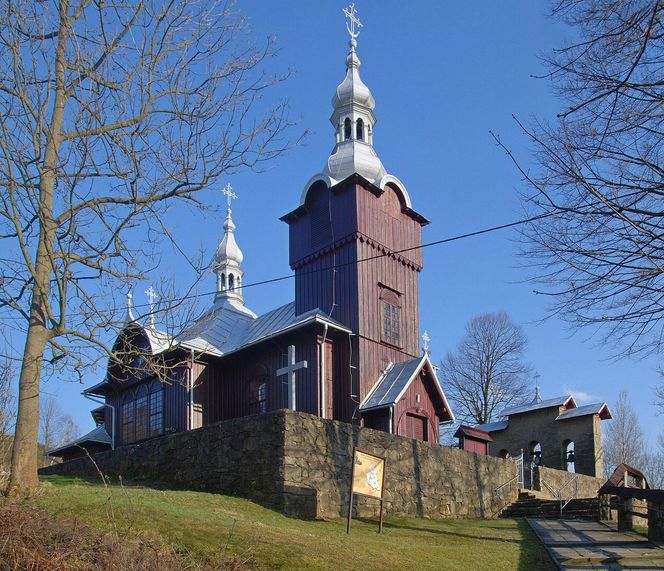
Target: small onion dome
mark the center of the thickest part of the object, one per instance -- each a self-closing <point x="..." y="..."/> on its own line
<point x="352" y="89"/>
<point x="228" y="250"/>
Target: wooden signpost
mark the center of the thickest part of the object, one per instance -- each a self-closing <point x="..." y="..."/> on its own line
<point x="367" y="479"/>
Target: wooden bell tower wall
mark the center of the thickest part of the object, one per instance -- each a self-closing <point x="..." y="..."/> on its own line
<point x="358" y="229"/>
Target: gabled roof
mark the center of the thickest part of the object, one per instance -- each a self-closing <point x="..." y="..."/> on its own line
<point x="225" y="330"/>
<point x="97" y="436"/>
<point x="394" y="381"/>
<point x="548" y="403"/>
<point x="473" y="432"/>
<point x="493" y="426"/>
<point x="617" y="479"/>
<point x="600" y="408"/>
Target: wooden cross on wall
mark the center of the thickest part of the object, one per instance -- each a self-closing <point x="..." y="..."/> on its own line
<point x="290" y="370"/>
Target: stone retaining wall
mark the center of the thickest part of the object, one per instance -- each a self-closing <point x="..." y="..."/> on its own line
<point x="556" y="479"/>
<point x="301" y="465"/>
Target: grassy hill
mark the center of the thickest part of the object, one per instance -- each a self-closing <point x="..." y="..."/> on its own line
<point x="163" y="529"/>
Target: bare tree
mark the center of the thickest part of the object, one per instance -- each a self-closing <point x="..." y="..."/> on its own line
<point x="623" y="438"/>
<point x="654" y="464"/>
<point x="7" y="399"/>
<point x="597" y="246"/>
<point x="110" y="113"/>
<point x="659" y="398"/>
<point x="487" y="371"/>
<point x="55" y="427"/>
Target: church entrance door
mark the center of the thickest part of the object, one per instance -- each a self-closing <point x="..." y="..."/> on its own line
<point x="414" y="426"/>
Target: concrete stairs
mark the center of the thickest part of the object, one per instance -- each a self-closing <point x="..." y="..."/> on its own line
<point x="532" y="505"/>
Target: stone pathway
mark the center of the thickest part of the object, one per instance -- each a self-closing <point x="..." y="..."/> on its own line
<point x="581" y="545"/>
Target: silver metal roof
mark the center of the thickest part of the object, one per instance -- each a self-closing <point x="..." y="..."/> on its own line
<point x="585" y="410"/>
<point x="391" y="384"/>
<point x="394" y="381"/>
<point x="492" y="426"/>
<point x="224" y="329"/>
<point x="548" y="403"/>
<point x="98" y="435"/>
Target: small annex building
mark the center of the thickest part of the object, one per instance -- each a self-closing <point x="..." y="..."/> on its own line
<point x="473" y="439"/>
<point x="346" y="348"/>
<point x="556" y="433"/>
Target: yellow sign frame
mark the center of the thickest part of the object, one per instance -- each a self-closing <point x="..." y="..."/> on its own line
<point x="367" y="479"/>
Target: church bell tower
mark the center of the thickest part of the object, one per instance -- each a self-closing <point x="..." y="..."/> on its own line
<point x="355" y="240"/>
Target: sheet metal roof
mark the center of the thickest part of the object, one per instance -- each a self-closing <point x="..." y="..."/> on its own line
<point x="473" y="432"/>
<point x="493" y="426"/>
<point x="395" y="380"/>
<point x="557" y="401"/>
<point x="391" y="383"/>
<point x="595" y="408"/>
<point x="97" y="435"/>
<point x="224" y="329"/>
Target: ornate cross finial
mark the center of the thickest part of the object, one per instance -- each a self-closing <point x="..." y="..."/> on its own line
<point x="152" y="297"/>
<point x="425" y="342"/>
<point x="230" y="195"/>
<point x="354" y="21"/>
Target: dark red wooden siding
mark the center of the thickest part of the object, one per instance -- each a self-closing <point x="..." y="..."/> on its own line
<point x="409" y="405"/>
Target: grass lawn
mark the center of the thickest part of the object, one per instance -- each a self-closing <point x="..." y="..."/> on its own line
<point x="219" y="529"/>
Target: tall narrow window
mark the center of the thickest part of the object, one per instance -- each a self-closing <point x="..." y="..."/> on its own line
<point x="390" y="314"/>
<point x="359" y="131"/>
<point x="143" y="413"/>
<point x="258" y="396"/>
<point x="348" y="129"/>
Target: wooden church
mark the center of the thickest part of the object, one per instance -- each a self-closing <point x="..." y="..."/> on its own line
<point x="347" y="348"/>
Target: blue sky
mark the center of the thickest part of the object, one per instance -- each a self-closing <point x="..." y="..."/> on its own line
<point x="444" y="74"/>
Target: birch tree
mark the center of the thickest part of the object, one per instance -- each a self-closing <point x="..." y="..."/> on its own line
<point x="110" y="113"/>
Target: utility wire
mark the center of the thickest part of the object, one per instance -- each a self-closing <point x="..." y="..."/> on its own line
<point x="377" y="256"/>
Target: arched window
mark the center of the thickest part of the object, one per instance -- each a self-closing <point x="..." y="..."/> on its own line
<point x="223" y="282"/>
<point x="347" y="129"/>
<point x="258" y="396"/>
<point x="536" y="453"/>
<point x="568" y="456"/>
<point x="231" y="281"/>
<point x="359" y="130"/>
<point x="504" y="454"/>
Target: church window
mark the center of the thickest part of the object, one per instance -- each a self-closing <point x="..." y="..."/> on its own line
<point x="536" y="453"/>
<point x="258" y="404"/>
<point x="359" y="131"/>
<point x="390" y="315"/>
<point x="223" y="282"/>
<point x="143" y="413"/>
<point x="231" y="281"/>
<point x="348" y="129"/>
<point x="568" y="456"/>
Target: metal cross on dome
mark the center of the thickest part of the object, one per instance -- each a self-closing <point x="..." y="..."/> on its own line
<point x="152" y="297"/>
<point x="230" y="195"/>
<point x="351" y="14"/>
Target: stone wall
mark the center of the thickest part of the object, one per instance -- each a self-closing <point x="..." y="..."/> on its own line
<point x="556" y="479"/>
<point x="239" y="456"/>
<point x="301" y="465"/>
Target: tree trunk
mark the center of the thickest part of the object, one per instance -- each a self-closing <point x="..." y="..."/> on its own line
<point x="25" y="448"/>
<point x="25" y="451"/>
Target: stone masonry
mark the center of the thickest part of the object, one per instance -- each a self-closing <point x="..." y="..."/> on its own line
<point x="300" y="464"/>
<point x="541" y="426"/>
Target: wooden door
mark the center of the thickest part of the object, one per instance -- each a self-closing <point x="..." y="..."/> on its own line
<point x="414" y="426"/>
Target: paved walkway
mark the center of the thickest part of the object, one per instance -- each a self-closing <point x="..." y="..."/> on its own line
<point x="593" y="545"/>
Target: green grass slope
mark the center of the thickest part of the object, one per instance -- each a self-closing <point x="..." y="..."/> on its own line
<point x="222" y="531"/>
